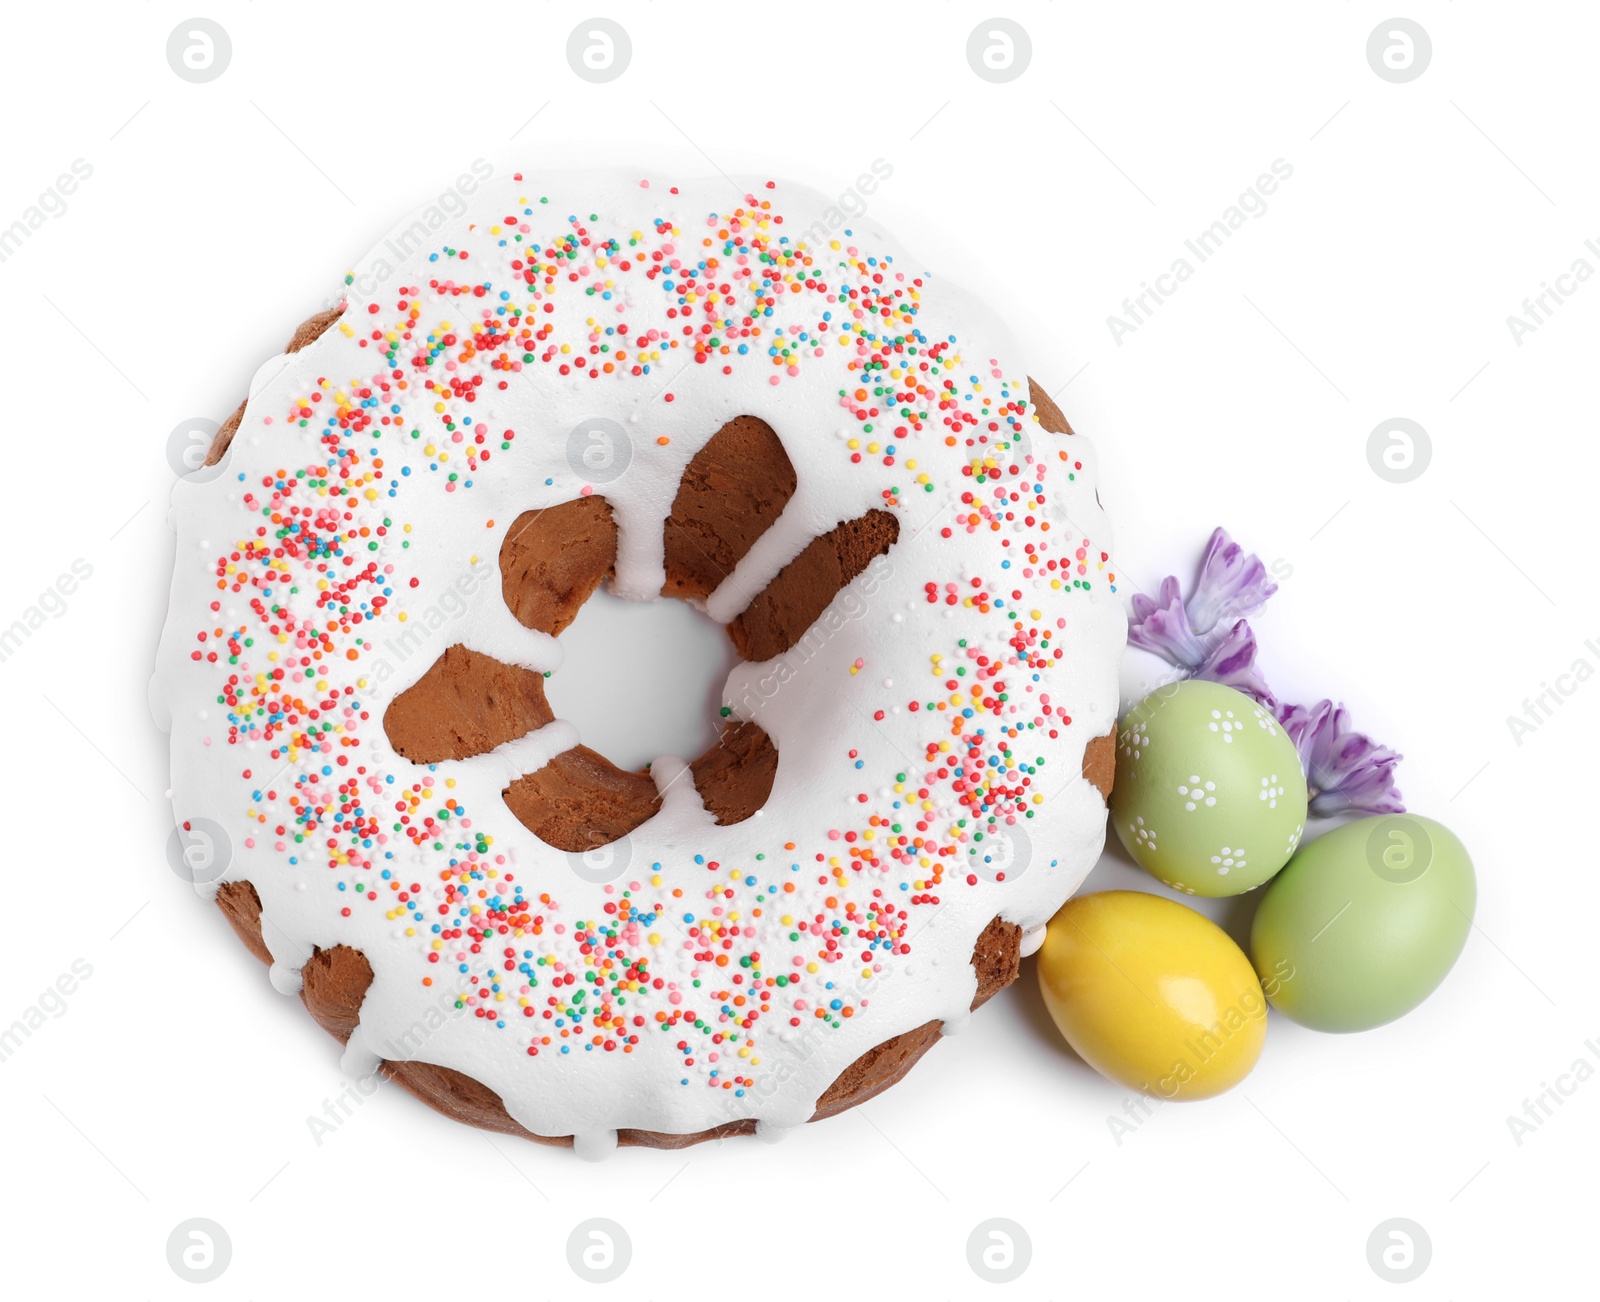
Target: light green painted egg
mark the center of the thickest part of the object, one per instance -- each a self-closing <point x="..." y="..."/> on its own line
<point x="1210" y="797"/>
<point x="1365" y="922"/>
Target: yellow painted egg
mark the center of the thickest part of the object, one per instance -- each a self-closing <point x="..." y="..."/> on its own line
<point x="1152" y="994"/>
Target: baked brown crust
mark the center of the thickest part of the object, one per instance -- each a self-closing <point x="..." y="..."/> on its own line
<point x="781" y="613"/>
<point x="581" y="801"/>
<point x="730" y="494"/>
<point x="550" y="563"/>
<point x="1100" y="762"/>
<point x="735" y="776"/>
<point x="467" y="703"/>
<point x="1044" y="407"/>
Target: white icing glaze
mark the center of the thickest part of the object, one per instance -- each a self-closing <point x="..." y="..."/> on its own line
<point x="594" y="1145"/>
<point x="812" y="701"/>
<point x="360" y="1057"/>
<point x="266" y="373"/>
<point x="285" y="980"/>
<point x="1032" y="941"/>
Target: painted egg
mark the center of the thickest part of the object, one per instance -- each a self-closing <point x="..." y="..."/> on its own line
<point x="1153" y="995"/>
<point x="1365" y="922"/>
<point x="1210" y="798"/>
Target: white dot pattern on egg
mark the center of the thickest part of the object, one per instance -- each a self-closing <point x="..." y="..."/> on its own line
<point x="1223" y="721"/>
<point x="1228" y="858"/>
<point x="1146" y="836"/>
<point x="1271" y="790"/>
<point x="1134" y="740"/>
<point x="1197" y="792"/>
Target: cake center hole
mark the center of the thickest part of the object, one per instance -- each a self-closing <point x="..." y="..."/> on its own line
<point x="642" y="679"/>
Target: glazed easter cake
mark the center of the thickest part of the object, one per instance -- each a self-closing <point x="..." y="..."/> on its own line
<point x="713" y="392"/>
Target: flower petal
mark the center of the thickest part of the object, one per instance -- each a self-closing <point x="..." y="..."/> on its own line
<point x="1162" y="628"/>
<point x="1231" y="661"/>
<point x="1345" y="770"/>
<point x="1233" y="583"/>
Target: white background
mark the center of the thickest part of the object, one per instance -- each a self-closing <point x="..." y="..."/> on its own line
<point x="1377" y="284"/>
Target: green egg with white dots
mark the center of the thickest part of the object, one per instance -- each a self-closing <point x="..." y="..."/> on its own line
<point x="1210" y="798"/>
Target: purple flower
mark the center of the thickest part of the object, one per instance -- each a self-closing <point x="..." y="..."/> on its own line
<point x="1232" y="584"/>
<point x="1162" y="628"/>
<point x="1232" y="662"/>
<point x="1345" y="770"/>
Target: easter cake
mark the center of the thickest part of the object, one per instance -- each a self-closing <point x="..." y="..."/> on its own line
<point x="721" y="394"/>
